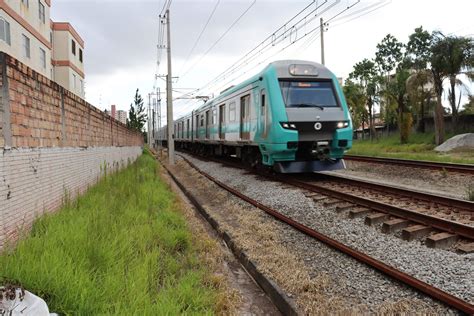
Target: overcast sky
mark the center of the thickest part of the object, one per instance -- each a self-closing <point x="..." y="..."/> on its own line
<point x="121" y="38"/>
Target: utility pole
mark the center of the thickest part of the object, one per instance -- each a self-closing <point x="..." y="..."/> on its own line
<point x="169" y="97"/>
<point x="159" y="115"/>
<point x="149" y="121"/>
<point x="321" y="27"/>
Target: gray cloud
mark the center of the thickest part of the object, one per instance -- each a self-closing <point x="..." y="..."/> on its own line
<point x="123" y="34"/>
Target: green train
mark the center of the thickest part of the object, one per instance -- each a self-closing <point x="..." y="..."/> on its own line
<point x="292" y="116"/>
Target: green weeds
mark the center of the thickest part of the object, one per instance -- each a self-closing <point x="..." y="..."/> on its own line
<point x="120" y="249"/>
<point x="419" y="147"/>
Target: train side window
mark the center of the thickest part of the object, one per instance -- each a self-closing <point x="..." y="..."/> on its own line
<point x="202" y="119"/>
<point x="263" y="103"/>
<point x="232" y="111"/>
<point x="214" y="116"/>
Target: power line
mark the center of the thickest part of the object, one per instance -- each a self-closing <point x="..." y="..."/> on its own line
<point x="200" y="34"/>
<point x="220" y="38"/>
<point x="272" y="37"/>
<point x="274" y="40"/>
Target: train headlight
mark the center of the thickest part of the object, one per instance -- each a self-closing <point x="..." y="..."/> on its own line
<point x="342" y="124"/>
<point x="287" y="125"/>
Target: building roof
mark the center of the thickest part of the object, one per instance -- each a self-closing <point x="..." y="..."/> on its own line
<point x="66" y="26"/>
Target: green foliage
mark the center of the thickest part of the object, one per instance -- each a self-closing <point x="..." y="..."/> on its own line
<point x="120" y="249"/>
<point x="137" y="115"/>
<point x="419" y="147"/>
<point x="356" y="100"/>
<point x="452" y="56"/>
<point x="419" y="48"/>
<point x="389" y="53"/>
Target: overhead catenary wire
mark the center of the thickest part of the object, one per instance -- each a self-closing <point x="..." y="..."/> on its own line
<point x="274" y="39"/>
<point x="220" y="37"/>
<point x="262" y="49"/>
<point x="284" y="48"/>
<point x="200" y="34"/>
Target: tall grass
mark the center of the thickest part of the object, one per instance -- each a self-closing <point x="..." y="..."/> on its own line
<point x="419" y="147"/>
<point x="120" y="249"/>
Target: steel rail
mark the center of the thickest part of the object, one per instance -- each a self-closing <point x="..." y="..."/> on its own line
<point x="428" y="197"/>
<point x="465" y="231"/>
<point x="455" y="167"/>
<point x="424" y="287"/>
<point x="424" y="219"/>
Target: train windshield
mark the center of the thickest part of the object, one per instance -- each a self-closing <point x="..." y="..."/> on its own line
<point x="319" y="94"/>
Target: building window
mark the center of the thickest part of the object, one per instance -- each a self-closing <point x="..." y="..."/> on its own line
<point x="25" y="2"/>
<point x="43" y="58"/>
<point x="82" y="87"/>
<point x="41" y="12"/>
<point x="5" y="31"/>
<point x="80" y="55"/>
<point x="74" y="81"/>
<point x="26" y="46"/>
<point x="73" y="47"/>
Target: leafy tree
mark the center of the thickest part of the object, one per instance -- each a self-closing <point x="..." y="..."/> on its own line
<point x="137" y="115"/>
<point x="418" y="52"/>
<point x="389" y="57"/>
<point x="366" y="74"/>
<point x="389" y="54"/>
<point x="356" y="100"/>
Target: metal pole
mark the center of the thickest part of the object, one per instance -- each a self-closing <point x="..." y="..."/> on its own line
<point x="159" y="117"/>
<point x="321" y="27"/>
<point x="169" y="97"/>
<point x="149" y="122"/>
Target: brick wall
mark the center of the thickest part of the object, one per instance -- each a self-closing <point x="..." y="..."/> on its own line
<point x="51" y="142"/>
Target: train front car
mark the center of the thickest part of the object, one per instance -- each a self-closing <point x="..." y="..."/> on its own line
<point x="310" y="126"/>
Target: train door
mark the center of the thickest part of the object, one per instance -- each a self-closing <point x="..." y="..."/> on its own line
<point x="263" y="113"/>
<point x="187" y="129"/>
<point x="207" y="124"/>
<point x="221" y="121"/>
<point x="197" y="126"/>
<point x="245" y="117"/>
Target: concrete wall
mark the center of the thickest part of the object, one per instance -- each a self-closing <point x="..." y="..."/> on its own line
<point x="52" y="143"/>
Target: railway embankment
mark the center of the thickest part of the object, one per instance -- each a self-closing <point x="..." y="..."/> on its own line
<point x="127" y="246"/>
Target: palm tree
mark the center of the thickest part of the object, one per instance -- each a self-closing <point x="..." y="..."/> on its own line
<point x="366" y="74"/>
<point x="451" y="56"/>
<point x="419" y="87"/>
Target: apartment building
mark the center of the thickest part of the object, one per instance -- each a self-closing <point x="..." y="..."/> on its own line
<point x="122" y="116"/>
<point x="53" y="49"/>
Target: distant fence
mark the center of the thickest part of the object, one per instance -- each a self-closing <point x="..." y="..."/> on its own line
<point x="52" y="143"/>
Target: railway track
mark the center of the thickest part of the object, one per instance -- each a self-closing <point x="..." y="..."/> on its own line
<point x="453" y="167"/>
<point x="390" y="271"/>
<point x="396" y="208"/>
<point x="442" y="219"/>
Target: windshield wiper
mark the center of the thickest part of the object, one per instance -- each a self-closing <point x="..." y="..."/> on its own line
<point x="308" y="105"/>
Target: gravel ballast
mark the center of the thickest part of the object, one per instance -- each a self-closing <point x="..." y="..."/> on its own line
<point x="451" y="184"/>
<point x="453" y="273"/>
